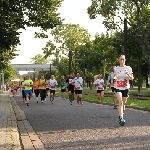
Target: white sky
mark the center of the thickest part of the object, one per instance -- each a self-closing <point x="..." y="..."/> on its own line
<point x="74" y="11"/>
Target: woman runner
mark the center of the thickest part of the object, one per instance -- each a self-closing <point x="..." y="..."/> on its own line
<point x="63" y="88"/>
<point x="122" y="75"/>
<point x="36" y="90"/>
<point x="99" y="83"/>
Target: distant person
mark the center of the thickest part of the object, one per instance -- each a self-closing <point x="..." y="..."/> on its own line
<point x="63" y="88"/>
<point x="78" y="86"/>
<point x="36" y="89"/>
<point x="28" y="83"/>
<point x="99" y="84"/>
<point x="111" y="82"/>
<point x="52" y="84"/>
<point x="22" y="87"/>
<point x="42" y="88"/>
<point x="70" y="86"/>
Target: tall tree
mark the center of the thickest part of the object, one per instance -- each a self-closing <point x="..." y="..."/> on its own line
<point x="9" y="73"/>
<point x="132" y="10"/>
<point x="67" y="37"/>
<point x="17" y="14"/>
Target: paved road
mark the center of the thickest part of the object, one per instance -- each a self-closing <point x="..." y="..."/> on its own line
<point x="87" y="127"/>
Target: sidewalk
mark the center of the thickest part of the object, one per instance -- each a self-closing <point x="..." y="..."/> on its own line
<point x="29" y="140"/>
<point x="8" y="127"/>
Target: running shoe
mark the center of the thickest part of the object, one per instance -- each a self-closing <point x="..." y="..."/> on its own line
<point x="121" y="121"/>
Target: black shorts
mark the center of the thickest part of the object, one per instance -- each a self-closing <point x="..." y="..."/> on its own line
<point x="125" y="93"/>
<point x="78" y="91"/>
<point x="63" y="90"/>
<point x="113" y="89"/>
<point x="23" y="94"/>
<point x="71" y="89"/>
<point x="36" y="92"/>
<point x="47" y="89"/>
<point x="52" y="91"/>
<point x="99" y="91"/>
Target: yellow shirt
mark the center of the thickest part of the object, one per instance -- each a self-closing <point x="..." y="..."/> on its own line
<point x="15" y="86"/>
<point x="42" y="84"/>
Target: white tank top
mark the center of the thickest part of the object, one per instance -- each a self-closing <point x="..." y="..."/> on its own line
<point x="122" y="79"/>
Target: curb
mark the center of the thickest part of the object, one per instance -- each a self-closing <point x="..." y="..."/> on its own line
<point x="28" y="137"/>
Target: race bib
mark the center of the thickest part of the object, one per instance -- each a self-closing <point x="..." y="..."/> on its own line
<point x="100" y="88"/>
<point x="63" y="87"/>
<point x="70" y="81"/>
<point x="52" y="86"/>
<point x="122" y="83"/>
<point x="77" y="88"/>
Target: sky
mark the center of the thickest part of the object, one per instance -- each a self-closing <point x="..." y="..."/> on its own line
<point x="73" y="11"/>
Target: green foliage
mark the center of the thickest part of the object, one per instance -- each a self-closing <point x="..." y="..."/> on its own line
<point x="67" y="37"/>
<point x="40" y="59"/>
<point x="115" y="9"/>
<point x="17" y="14"/>
<point x="9" y="73"/>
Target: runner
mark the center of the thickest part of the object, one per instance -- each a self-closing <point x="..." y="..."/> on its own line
<point x="22" y="87"/>
<point x="47" y="90"/>
<point x="12" y="90"/>
<point x="15" y="86"/>
<point x="63" y="88"/>
<point x="42" y="88"/>
<point x="122" y="75"/>
<point x="99" y="84"/>
<point x="111" y="82"/>
<point x="78" y="84"/>
<point x="70" y="86"/>
<point x="52" y="84"/>
<point x="35" y="88"/>
<point x="28" y="83"/>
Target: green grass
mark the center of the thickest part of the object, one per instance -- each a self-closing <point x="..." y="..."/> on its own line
<point x="93" y="99"/>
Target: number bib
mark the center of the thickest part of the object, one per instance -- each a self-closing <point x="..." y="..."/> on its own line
<point x="77" y="88"/>
<point x="121" y="83"/>
<point x="100" y="88"/>
<point x="52" y="86"/>
<point x="70" y="81"/>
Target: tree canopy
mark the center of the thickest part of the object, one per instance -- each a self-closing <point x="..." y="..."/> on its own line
<point x="17" y="14"/>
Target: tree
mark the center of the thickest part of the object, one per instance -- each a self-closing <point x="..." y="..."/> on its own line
<point x="39" y="59"/>
<point x="134" y="12"/>
<point x="17" y="14"/>
<point x="67" y="37"/>
<point x="9" y="73"/>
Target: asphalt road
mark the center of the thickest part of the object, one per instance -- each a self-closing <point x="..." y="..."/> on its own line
<point x="62" y="126"/>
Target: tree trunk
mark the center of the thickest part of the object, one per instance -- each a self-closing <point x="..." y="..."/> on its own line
<point x="147" y="85"/>
<point x="139" y="75"/>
